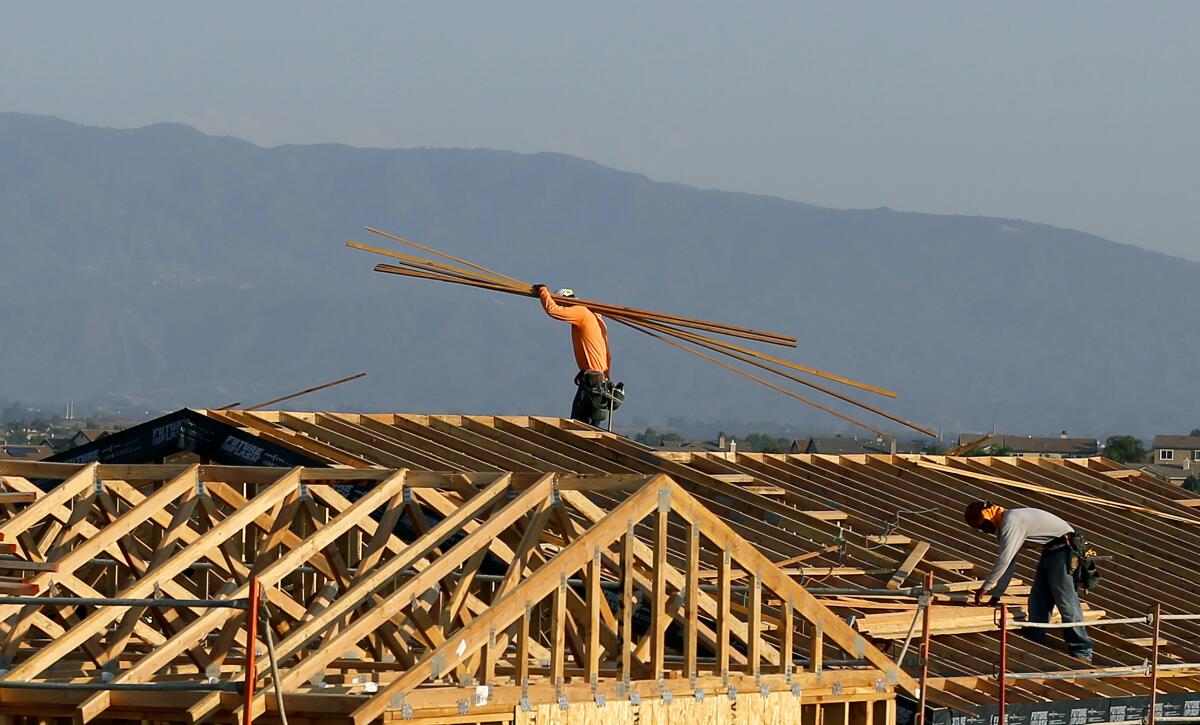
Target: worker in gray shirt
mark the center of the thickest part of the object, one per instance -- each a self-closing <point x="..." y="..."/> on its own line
<point x="1054" y="585"/>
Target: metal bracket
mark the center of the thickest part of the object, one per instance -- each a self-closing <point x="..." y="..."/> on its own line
<point x="201" y="491"/>
<point x="732" y="693"/>
<point x="318" y="680"/>
<point x="796" y="689"/>
<point x="407" y="495"/>
<point x="837" y="688"/>
<point x="524" y="704"/>
<point x="97" y="483"/>
<point x="622" y="688"/>
<point x="304" y="490"/>
<point x="764" y="691"/>
<point x="600" y="701"/>
<point x="436" y="667"/>
<point x="635" y="699"/>
<point x="879" y="685"/>
<point x="213" y="673"/>
<point x="698" y="695"/>
<point x="463" y="707"/>
<point x="562" y="702"/>
<point x="555" y="496"/>
<point x="666" y="697"/>
<point x="664" y="500"/>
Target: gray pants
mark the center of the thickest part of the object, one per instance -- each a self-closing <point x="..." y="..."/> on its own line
<point x="1055" y="587"/>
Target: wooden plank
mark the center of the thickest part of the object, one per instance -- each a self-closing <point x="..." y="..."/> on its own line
<point x="724" y="613"/>
<point x="594" y="600"/>
<point x="628" y="638"/>
<point x="20" y="589"/>
<point x="827" y="515"/>
<point x="910" y="562"/>
<point x="12" y="497"/>
<point x="953" y="565"/>
<point x="692" y="602"/>
<point x="733" y="477"/>
<point x="658" y="596"/>
<point x="558" y="627"/>
<point x="754" y="625"/>
<point x="888" y="539"/>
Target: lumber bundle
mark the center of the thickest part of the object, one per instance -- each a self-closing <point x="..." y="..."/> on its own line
<point x="944" y="620"/>
<point x="691" y="335"/>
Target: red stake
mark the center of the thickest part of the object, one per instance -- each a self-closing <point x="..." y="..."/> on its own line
<point x="1150" y="717"/>
<point x="1003" y="664"/>
<point x="925" y="644"/>
<point x="251" y="650"/>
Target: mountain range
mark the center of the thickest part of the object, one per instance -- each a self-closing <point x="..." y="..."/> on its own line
<point x="165" y="267"/>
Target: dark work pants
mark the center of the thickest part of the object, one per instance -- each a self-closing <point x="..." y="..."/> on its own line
<point x="1055" y="587"/>
<point x="583" y="408"/>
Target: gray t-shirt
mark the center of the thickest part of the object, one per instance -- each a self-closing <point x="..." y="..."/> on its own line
<point x="1017" y="527"/>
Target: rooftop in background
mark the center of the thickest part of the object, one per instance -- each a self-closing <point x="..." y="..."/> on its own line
<point x="1177" y="442"/>
<point x="25" y="452"/>
<point x="1059" y="447"/>
<point x="849" y="445"/>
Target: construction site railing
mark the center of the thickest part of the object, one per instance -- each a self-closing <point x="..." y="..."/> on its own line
<point x="1152" y="668"/>
<point x="924" y="595"/>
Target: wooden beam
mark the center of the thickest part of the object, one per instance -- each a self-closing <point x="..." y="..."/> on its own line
<point x="915" y="554"/>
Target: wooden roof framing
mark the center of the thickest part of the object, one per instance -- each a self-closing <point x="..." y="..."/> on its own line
<point x="782" y="504"/>
<point x="403" y="603"/>
<point x="834" y="526"/>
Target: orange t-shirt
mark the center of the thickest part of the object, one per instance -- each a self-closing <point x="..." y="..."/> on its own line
<point x="589" y="335"/>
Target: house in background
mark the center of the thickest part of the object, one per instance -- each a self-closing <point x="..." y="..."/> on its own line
<point x="25" y="452"/>
<point x="1182" y="452"/>
<point x="90" y="435"/>
<point x="850" y="445"/>
<point x="1171" y="474"/>
<point x="1033" y="446"/>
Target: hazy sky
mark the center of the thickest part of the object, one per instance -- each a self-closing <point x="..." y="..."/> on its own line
<point x="1080" y="114"/>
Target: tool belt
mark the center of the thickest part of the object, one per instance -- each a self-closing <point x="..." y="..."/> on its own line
<point x="1084" y="565"/>
<point x="602" y="393"/>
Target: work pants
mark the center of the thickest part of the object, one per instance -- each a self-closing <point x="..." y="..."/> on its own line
<point x="1055" y="587"/>
<point x="584" y="408"/>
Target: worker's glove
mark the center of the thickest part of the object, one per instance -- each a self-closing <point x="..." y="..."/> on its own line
<point x="979" y="596"/>
<point x="537" y="288"/>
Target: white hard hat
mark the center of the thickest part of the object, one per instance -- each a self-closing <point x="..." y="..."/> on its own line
<point x="566" y="292"/>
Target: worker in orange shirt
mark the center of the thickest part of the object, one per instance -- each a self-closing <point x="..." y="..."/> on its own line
<point x="589" y="338"/>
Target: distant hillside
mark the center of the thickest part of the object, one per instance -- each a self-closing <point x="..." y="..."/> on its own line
<point x="169" y="267"/>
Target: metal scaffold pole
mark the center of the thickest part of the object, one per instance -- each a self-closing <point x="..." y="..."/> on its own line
<point x="1150" y="716"/>
<point x="925" y="629"/>
<point x="1003" y="665"/>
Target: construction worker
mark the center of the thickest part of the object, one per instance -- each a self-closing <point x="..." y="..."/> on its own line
<point x="1053" y="586"/>
<point x="589" y="338"/>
